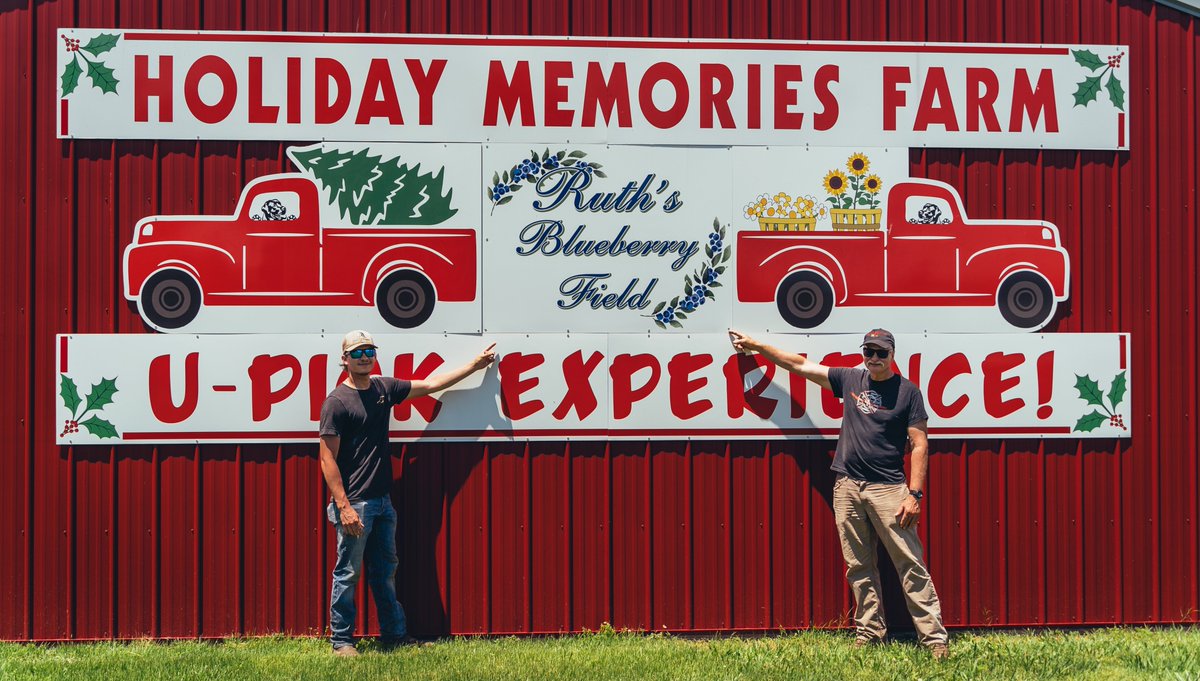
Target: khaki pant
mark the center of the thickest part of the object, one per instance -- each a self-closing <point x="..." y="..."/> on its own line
<point x="866" y="511"/>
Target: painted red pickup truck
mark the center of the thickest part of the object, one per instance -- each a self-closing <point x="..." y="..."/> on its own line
<point x="276" y="251"/>
<point x="927" y="253"/>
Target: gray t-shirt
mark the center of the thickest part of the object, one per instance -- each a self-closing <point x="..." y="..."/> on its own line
<point x="360" y="418"/>
<point x="875" y="424"/>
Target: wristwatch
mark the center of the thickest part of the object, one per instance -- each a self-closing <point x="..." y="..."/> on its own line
<point x="916" y="494"/>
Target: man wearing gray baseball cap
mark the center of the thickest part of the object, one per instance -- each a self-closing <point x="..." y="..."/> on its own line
<point x="872" y="501"/>
<point x="357" y="465"/>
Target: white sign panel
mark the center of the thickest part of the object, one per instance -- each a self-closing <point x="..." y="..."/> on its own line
<point x="300" y="86"/>
<point x="605" y="239"/>
<point x="228" y="388"/>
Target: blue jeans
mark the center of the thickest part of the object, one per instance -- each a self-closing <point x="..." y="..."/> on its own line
<point x="377" y="545"/>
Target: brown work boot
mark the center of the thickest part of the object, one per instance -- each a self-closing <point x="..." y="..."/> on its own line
<point x="940" y="651"/>
<point x="346" y="651"/>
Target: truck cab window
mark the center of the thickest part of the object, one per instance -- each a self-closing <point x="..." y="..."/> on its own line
<point x="927" y="210"/>
<point x="275" y="206"/>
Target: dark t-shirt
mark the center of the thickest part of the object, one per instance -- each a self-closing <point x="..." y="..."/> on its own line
<point x="875" y="424"/>
<point x="360" y="418"/>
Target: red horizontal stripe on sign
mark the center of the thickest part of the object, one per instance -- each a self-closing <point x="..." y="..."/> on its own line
<point x="310" y="38"/>
<point x="1015" y="430"/>
<point x="261" y="435"/>
<point x="595" y="432"/>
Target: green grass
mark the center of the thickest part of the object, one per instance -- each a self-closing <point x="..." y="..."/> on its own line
<point x="1097" y="654"/>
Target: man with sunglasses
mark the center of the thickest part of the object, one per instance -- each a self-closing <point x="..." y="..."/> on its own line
<point x="357" y="464"/>
<point x="884" y="413"/>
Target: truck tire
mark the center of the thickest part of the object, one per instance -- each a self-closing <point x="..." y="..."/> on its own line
<point x="170" y="299"/>
<point x="1025" y="300"/>
<point x="805" y="299"/>
<point x="405" y="299"/>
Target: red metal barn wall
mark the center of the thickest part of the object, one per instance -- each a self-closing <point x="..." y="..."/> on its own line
<point x="182" y="541"/>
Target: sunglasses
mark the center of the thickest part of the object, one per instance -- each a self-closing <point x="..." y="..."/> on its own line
<point x="357" y="353"/>
<point x="875" y="352"/>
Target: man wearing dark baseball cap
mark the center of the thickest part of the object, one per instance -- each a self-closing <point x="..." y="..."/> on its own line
<point x="872" y="501"/>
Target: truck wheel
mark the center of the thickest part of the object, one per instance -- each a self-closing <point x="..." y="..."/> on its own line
<point x="1025" y="300"/>
<point x="805" y="300"/>
<point x="405" y="299"/>
<point x="170" y="299"/>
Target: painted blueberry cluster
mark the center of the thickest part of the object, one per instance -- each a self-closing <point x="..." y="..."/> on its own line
<point x="528" y="170"/>
<point x="697" y="286"/>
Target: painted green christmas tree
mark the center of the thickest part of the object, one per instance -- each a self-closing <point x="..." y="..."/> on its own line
<point x="369" y="189"/>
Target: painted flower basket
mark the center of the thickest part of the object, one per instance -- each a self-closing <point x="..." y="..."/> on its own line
<point x="766" y="224"/>
<point x="856" y="219"/>
<point x="784" y="213"/>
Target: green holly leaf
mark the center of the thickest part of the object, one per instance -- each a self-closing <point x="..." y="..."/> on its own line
<point x="99" y="427"/>
<point x="659" y="307"/>
<point x="1087" y="91"/>
<point x="599" y="174"/>
<point x="505" y="200"/>
<point x="1116" y="93"/>
<point x="1116" y="394"/>
<point x="70" y="77"/>
<point x="101" y="394"/>
<point x="102" y="43"/>
<point x="659" y="324"/>
<point x="1090" y="422"/>
<point x="102" y="76"/>
<point x="1087" y="59"/>
<point x="728" y="252"/>
<point x="1089" y="390"/>
<point x="70" y="394"/>
<point x="676" y="325"/>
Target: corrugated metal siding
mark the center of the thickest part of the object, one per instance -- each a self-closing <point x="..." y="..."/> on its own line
<point x="181" y="541"/>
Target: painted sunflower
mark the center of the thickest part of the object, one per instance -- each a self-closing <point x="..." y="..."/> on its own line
<point x="858" y="164"/>
<point x="873" y="184"/>
<point x="835" y="182"/>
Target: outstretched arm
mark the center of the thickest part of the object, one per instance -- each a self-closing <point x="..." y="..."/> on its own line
<point x="797" y="364"/>
<point x="439" y="382"/>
